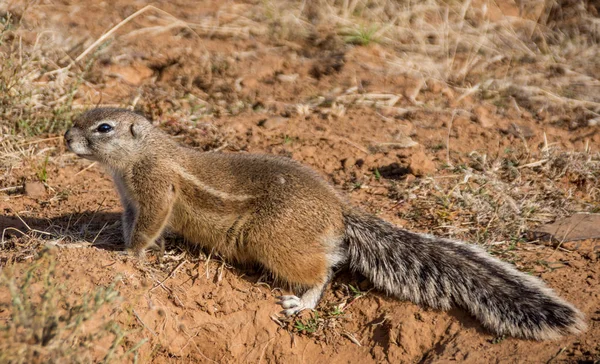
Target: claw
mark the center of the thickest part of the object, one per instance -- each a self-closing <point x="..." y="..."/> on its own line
<point x="291" y="311"/>
<point x="291" y="304"/>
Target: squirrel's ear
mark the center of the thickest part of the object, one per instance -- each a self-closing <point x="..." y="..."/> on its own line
<point x="136" y="130"/>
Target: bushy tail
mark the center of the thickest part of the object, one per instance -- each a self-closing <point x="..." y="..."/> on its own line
<point x="442" y="273"/>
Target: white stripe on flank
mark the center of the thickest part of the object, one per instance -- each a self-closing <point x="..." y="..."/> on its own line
<point x="211" y="190"/>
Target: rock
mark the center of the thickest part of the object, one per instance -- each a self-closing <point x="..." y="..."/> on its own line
<point x="580" y="226"/>
<point x="520" y="131"/>
<point x="134" y="74"/>
<point x="575" y="264"/>
<point x="239" y="128"/>
<point x="400" y="143"/>
<point x="34" y="189"/>
<point x="421" y="165"/>
<point x="413" y="89"/>
<point x="348" y="163"/>
<point x="250" y="82"/>
<point x="273" y="122"/>
<point x="287" y="78"/>
<point x="594" y="122"/>
<point x="371" y="160"/>
<point x="482" y="115"/>
<point x="393" y="112"/>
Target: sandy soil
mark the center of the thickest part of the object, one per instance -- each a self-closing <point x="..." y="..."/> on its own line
<point x="251" y="94"/>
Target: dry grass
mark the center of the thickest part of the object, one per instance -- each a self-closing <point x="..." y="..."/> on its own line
<point x="544" y="58"/>
<point x="33" y="99"/>
<point x="48" y="323"/>
<point x="531" y="61"/>
<point x="496" y="201"/>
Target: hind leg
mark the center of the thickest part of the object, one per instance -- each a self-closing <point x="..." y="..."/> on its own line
<point x="299" y="244"/>
<point x="310" y="298"/>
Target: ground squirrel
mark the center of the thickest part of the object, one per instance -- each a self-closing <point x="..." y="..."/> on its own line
<point x="274" y="212"/>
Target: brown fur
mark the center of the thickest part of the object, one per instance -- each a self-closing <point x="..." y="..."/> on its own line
<point x="238" y="205"/>
<point x="278" y="214"/>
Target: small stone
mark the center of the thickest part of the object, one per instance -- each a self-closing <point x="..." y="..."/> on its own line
<point x="348" y="163"/>
<point x="371" y="160"/>
<point x="239" y="128"/>
<point x="412" y="91"/>
<point x="250" y="82"/>
<point x="483" y="117"/>
<point x="575" y="264"/>
<point x="34" y="189"/>
<point x="273" y="122"/>
<point x="421" y="165"/>
<point x="594" y="122"/>
<point x="400" y="143"/>
<point x="393" y="112"/>
<point x="287" y="78"/>
<point x="520" y="131"/>
<point x="410" y="178"/>
<point x="580" y="226"/>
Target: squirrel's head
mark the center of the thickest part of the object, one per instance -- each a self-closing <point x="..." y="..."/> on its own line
<point x="109" y="136"/>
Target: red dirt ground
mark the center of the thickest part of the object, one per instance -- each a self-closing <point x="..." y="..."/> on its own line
<point x="212" y="312"/>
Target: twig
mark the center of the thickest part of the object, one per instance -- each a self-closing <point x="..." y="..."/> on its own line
<point x="86" y="168"/>
<point x="448" y="137"/>
<point x="168" y="276"/>
<point x="264" y="349"/>
<point x="99" y="232"/>
<point x="143" y="324"/>
<point x="351" y="338"/>
<point x="347" y="141"/>
<point x="111" y="31"/>
<point x="9" y="228"/>
<point x="10" y="189"/>
<point x="534" y="164"/>
<point x="38" y="141"/>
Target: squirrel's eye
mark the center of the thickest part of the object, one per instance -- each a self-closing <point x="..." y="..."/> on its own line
<point x="104" y="128"/>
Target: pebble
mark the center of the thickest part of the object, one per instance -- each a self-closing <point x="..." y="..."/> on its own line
<point x="34" y="189"/>
<point x="421" y="165"/>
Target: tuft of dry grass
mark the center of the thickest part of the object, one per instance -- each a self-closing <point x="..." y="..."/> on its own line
<point x="495" y="201"/>
<point x="34" y="100"/>
<point x="49" y="324"/>
<point x="542" y="59"/>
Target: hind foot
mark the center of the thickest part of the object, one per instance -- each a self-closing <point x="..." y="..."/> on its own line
<point x="309" y="300"/>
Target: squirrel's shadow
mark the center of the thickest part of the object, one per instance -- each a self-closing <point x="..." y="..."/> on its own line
<point x="100" y="229"/>
<point x="103" y="231"/>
